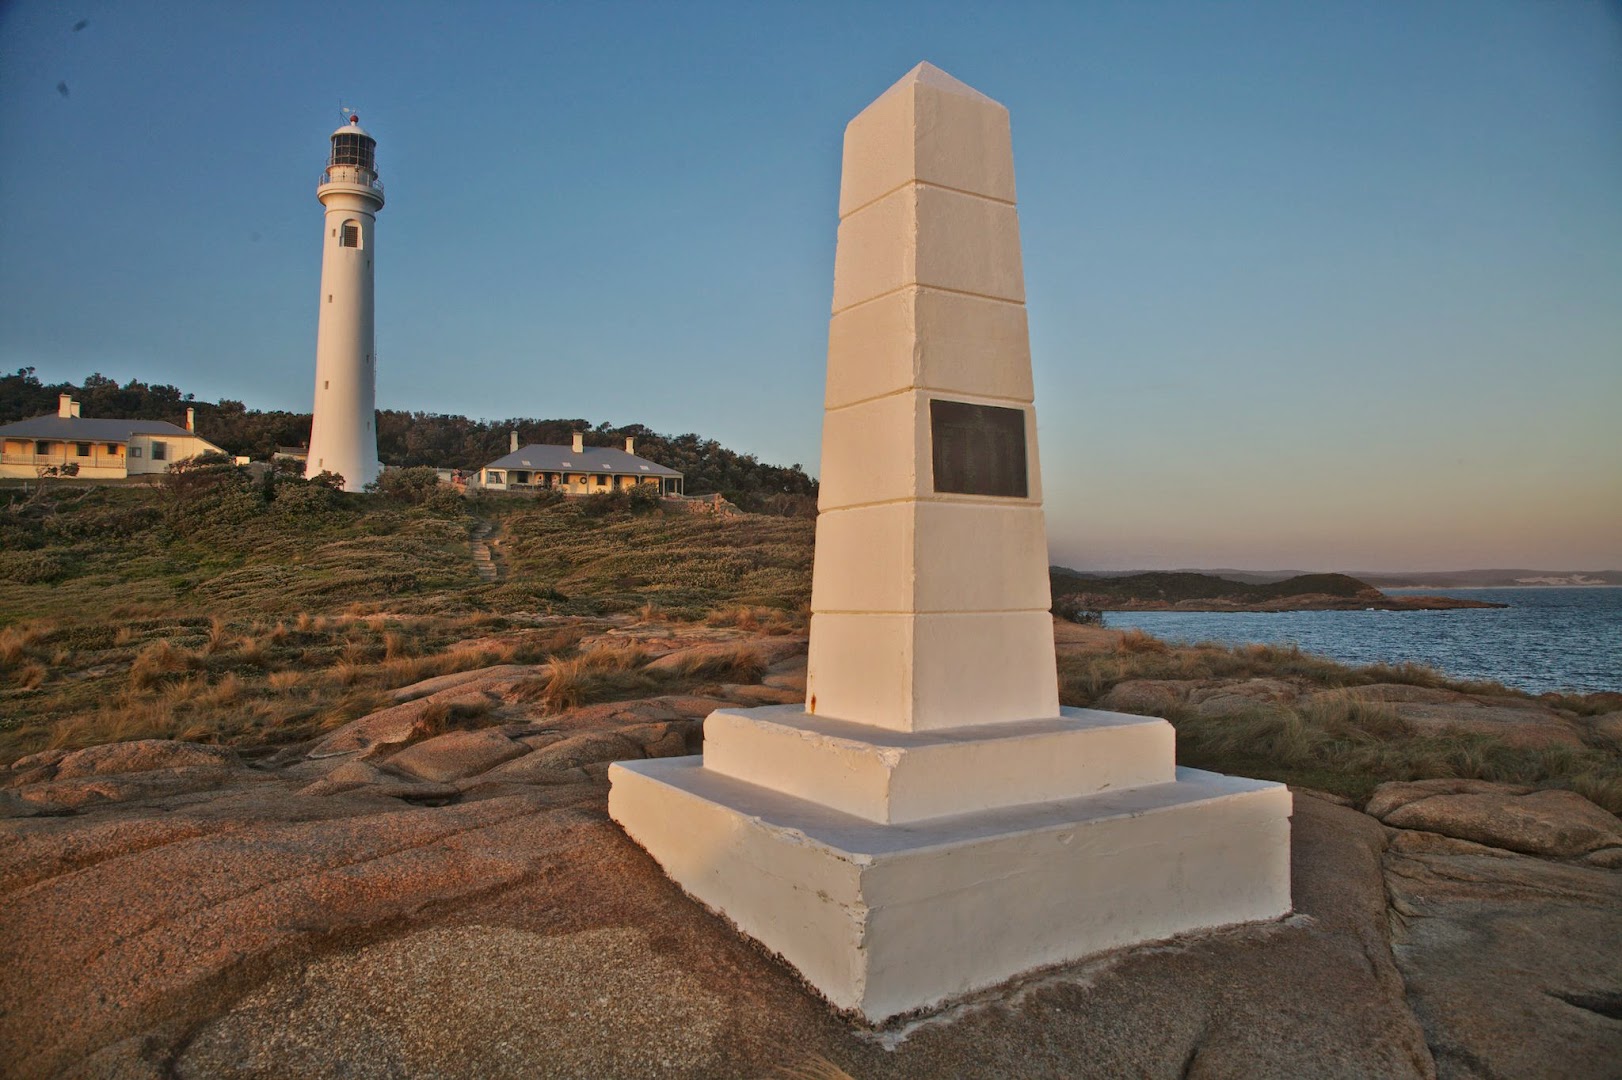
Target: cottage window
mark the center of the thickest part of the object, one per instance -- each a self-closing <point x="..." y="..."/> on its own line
<point x="41" y="446"/>
<point x="81" y="449"/>
<point x="135" y="451"/>
<point x="160" y="451"/>
<point x="112" y="448"/>
<point x="602" y="481"/>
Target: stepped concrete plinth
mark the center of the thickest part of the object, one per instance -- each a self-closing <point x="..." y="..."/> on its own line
<point x="883" y="919"/>
<point x="895" y="777"/>
<point x="931" y="822"/>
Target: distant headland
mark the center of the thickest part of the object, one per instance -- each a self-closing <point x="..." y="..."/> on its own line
<point x="1185" y="591"/>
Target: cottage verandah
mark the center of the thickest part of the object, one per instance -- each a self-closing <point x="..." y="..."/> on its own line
<point x="577" y="470"/>
<point x="95" y="448"/>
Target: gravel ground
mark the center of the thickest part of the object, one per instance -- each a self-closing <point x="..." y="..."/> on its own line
<point x="507" y="1002"/>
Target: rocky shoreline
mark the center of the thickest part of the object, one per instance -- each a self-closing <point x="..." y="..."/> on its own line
<point x="396" y="898"/>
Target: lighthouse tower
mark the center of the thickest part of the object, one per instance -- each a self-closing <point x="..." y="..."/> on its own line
<point x="343" y="436"/>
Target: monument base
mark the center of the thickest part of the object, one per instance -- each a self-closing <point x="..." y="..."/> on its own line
<point x="884" y="919"/>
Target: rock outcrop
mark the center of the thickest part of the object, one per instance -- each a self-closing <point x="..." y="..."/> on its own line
<point x="58" y="782"/>
<point x="1559" y="824"/>
<point x="1519" y="722"/>
<point x="1511" y="962"/>
<point x="398" y="902"/>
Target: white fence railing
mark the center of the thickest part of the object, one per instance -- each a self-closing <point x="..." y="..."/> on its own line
<point x="349" y="174"/>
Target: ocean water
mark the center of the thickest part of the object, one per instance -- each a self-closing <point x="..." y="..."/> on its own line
<point x="1546" y="639"/>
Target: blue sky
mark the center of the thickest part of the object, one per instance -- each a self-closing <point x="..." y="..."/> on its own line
<point x="1319" y="285"/>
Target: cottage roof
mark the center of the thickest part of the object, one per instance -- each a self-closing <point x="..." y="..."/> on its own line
<point x="89" y="429"/>
<point x="593" y="459"/>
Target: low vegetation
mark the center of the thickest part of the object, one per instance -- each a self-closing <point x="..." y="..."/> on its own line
<point x="247" y="681"/>
<point x="213" y="538"/>
<point x="1338" y="741"/>
<point x="687" y="565"/>
<point x="258" y="609"/>
<point x="222" y="606"/>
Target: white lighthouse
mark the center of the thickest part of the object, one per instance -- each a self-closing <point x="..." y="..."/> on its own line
<point x="343" y="435"/>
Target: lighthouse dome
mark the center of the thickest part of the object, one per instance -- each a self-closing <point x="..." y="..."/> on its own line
<point x="353" y="128"/>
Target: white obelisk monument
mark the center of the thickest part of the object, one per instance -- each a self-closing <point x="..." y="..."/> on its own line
<point x="931" y="822"/>
<point x="343" y="434"/>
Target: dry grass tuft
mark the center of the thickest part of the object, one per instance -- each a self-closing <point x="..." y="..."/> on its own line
<point x="18" y="642"/>
<point x="1347" y="715"/>
<point x="600" y="674"/>
<point x="346" y="673"/>
<point x="159" y="662"/>
<point x="352" y="706"/>
<point x="283" y="681"/>
<point x="742" y="663"/>
<point x="119" y="720"/>
<point x="441" y="716"/>
<point x="227" y="691"/>
<point x="813" y="1067"/>
<point x="253" y="651"/>
<point x="29" y="676"/>
<point x="362" y="651"/>
<point x="764" y="620"/>
<point x="1136" y="641"/>
<point x="395" y="646"/>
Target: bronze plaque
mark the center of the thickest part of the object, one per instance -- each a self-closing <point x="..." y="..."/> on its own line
<point x="978" y="449"/>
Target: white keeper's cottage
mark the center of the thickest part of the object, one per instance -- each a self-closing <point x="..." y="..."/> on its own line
<point x="577" y="469"/>
<point x="102" y="449"/>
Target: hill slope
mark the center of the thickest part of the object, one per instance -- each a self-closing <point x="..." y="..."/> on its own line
<point x="406" y="438"/>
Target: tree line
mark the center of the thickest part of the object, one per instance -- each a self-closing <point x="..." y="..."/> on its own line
<point x="419" y="438"/>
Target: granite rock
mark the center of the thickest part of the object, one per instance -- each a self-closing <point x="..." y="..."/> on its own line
<point x="457" y="754"/>
<point x="1506" y="961"/>
<point x="1559" y="824"/>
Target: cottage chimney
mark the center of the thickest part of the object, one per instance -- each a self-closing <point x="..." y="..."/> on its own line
<point x="191" y="419"/>
<point x="64" y="406"/>
<point x="579" y="443"/>
<point x="74" y="405"/>
<point x="512" y="443"/>
<point x="630" y="445"/>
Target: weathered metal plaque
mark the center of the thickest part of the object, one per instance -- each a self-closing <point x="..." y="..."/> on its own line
<point x="978" y="449"/>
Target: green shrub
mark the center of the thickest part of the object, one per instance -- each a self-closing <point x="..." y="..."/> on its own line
<point x="604" y="503"/>
<point x="34" y="567"/>
<point x="414" y="486"/>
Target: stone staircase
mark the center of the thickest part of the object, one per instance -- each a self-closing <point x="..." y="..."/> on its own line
<point x="484" y="561"/>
